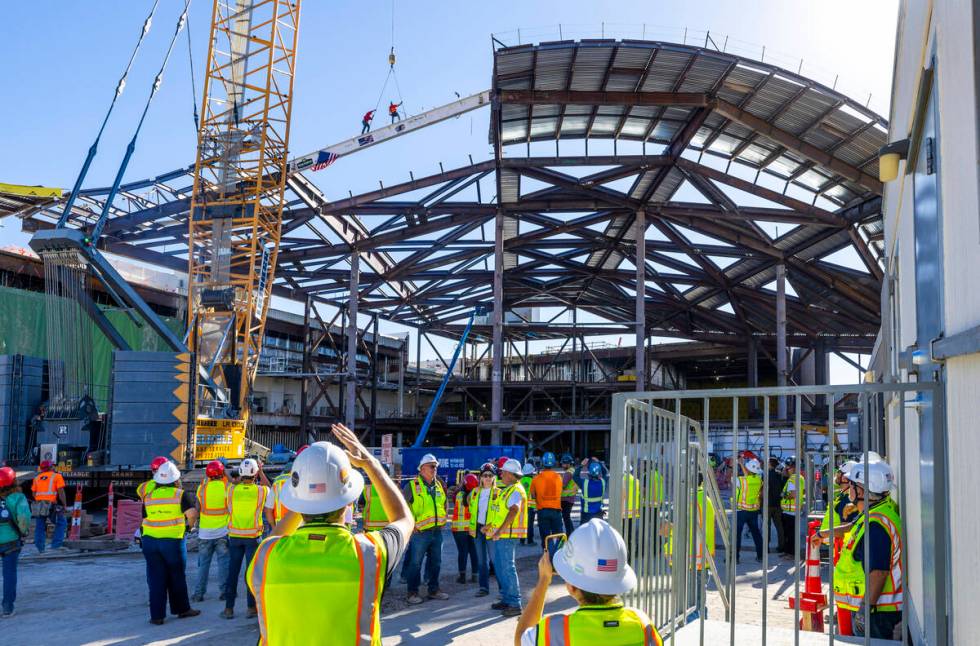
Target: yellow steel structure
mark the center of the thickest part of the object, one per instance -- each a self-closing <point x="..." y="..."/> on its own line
<point x="237" y="201"/>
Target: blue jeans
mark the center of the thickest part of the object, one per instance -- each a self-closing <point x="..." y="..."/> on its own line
<point x="165" y="576"/>
<point x="750" y="518"/>
<point x="10" y="579"/>
<point x="465" y="549"/>
<point x="506" y="569"/>
<point x="41" y="528"/>
<point x="240" y="550"/>
<point x="482" y="558"/>
<point x="206" y="549"/>
<point x="427" y="543"/>
<point x="549" y="522"/>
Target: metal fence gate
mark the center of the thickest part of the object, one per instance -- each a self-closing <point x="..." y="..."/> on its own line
<point x="669" y="491"/>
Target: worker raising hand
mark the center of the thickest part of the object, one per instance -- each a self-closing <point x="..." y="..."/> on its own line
<point x="358" y="455"/>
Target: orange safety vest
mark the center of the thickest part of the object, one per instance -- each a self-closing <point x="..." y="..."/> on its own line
<point x="45" y="486"/>
<point x="460" y="522"/>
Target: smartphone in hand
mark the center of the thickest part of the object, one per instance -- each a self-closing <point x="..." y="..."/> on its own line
<point x="553" y="543"/>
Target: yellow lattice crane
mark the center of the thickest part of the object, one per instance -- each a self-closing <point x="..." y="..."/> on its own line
<point x="236" y="208"/>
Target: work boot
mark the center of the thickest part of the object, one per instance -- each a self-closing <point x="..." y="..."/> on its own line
<point x="482" y="593"/>
<point x="438" y="595"/>
<point x="252" y="612"/>
<point x="414" y="599"/>
<point x="190" y="612"/>
<point x="511" y="611"/>
<point x="461" y="578"/>
<point x="197" y="598"/>
<point x="155" y="622"/>
<point x="228" y="613"/>
<point x="499" y="605"/>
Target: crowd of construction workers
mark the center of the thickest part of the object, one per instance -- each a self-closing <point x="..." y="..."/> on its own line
<point x="295" y="541"/>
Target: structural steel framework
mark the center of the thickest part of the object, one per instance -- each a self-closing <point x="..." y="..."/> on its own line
<point x="705" y="157"/>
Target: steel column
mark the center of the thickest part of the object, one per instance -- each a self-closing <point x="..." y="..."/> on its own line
<point x="781" y="337"/>
<point x="753" y="373"/>
<point x="304" y="414"/>
<point x="350" y="408"/>
<point x="640" y="226"/>
<point x="496" y="383"/>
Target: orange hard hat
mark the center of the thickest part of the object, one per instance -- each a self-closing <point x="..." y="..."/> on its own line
<point x="157" y="461"/>
<point x="214" y="469"/>
<point x="471" y="482"/>
<point x="7" y="477"/>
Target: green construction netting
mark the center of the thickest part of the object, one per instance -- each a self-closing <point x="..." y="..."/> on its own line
<point x="23" y="330"/>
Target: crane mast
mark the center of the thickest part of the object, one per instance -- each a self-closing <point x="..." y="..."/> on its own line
<point x="237" y="202"/>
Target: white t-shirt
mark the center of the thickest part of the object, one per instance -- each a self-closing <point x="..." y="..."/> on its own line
<point x="484" y="504"/>
<point x="530" y="636"/>
<point x="514" y="500"/>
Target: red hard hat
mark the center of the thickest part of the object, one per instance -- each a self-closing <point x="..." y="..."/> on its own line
<point x="157" y="462"/>
<point x="471" y="482"/>
<point x="46" y="464"/>
<point x="214" y="469"/>
<point x="501" y="461"/>
<point x="7" y="477"/>
<point x="301" y="449"/>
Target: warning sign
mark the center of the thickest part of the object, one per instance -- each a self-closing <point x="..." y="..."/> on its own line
<point x="219" y="438"/>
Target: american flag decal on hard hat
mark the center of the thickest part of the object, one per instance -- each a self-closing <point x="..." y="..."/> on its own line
<point x="607" y="565"/>
<point x="318" y="487"/>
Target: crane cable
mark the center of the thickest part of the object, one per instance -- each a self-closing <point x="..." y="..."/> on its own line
<point x="120" y="86"/>
<point x="190" y="58"/>
<point x="391" y="66"/>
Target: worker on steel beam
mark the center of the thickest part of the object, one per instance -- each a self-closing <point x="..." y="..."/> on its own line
<point x="508" y="526"/>
<point x="48" y="489"/>
<point x="15" y="523"/>
<point x="593" y="563"/>
<point x="426" y="494"/>
<point x="316" y="581"/>
<point x="212" y="531"/>
<point x="366" y="121"/>
<point x="569" y="491"/>
<point x="247" y="501"/>
<point x="167" y="512"/>
<point x="393" y="111"/>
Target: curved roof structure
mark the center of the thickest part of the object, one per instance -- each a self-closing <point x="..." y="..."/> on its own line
<point x="730" y="167"/>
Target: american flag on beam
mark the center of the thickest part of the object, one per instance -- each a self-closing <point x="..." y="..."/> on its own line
<point x="323" y="159"/>
<point x="607" y="565"/>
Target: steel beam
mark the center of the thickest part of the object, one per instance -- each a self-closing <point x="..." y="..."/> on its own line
<point x="561" y="97"/>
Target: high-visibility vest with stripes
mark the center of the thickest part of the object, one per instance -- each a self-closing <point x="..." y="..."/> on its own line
<point x="428" y="513"/>
<point x="832" y="511"/>
<point x="44" y="486"/>
<point x="374" y="514"/>
<point x="631" y="504"/>
<point x="474" y="504"/>
<point x="461" y="513"/>
<point x="655" y="490"/>
<point x="849" y="579"/>
<point x="278" y="511"/>
<point x="706" y="515"/>
<point x="144" y="488"/>
<point x="246" y="500"/>
<point x="164" y="519"/>
<point x="748" y="492"/>
<point x="299" y="581"/>
<point x="592" y="495"/>
<point x="788" y="501"/>
<point x="517" y="527"/>
<point x="212" y="498"/>
<point x="606" y="625"/>
<point x="526" y="483"/>
<point x="569" y="491"/>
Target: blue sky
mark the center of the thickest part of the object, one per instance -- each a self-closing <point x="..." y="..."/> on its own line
<point x="60" y="62"/>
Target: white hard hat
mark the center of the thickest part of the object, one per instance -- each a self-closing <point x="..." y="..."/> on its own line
<point x="754" y="466"/>
<point x="167" y="473"/>
<point x="248" y="468"/>
<point x="528" y="469"/>
<point x="845" y="468"/>
<point x="876" y="477"/>
<point x="593" y="559"/>
<point x="322" y="481"/>
<point x="512" y="466"/>
<point x="428" y="458"/>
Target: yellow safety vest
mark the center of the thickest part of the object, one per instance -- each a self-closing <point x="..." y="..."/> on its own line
<point x="374" y="514"/>
<point x="569" y="492"/>
<point x="145" y="488"/>
<point x="606" y="625"/>
<point x="278" y="511"/>
<point x="788" y="501"/>
<point x="655" y="490"/>
<point x="748" y="492"/>
<point x="164" y="519"/>
<point x="299" y="582"/>
<point x="246" y="500"/>
<point x="849" y="579"/>
<point x="838" y="521"/>
<point x="212" y="498"/>
<point x="518" y="527"/>
<point x="474" y="504"/>
<point x="428" y="513"/>
<point x="526" y="483"/>
<point x="631" y="505"/>
<point x="706" y="511"/>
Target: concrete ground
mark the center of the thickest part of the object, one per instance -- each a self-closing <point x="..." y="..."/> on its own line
<point x="102" y="600"/>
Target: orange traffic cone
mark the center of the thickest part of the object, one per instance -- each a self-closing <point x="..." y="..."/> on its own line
<point x="812" y="601"/>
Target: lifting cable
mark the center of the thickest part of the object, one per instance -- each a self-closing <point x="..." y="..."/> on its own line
<point x="391" y="66"/>
<point x="157" y="81"/>
<point x="120" y="86"/>
<point x="190" y="58"/>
